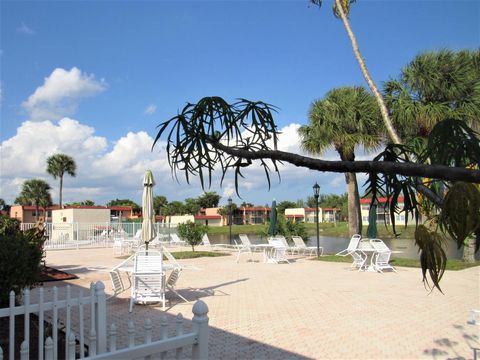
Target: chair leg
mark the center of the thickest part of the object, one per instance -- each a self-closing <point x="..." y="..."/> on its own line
<point x="130" y="308"/>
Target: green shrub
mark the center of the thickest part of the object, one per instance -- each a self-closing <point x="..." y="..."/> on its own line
<point x="21" y="254"/>
<point x="192" y="233"/>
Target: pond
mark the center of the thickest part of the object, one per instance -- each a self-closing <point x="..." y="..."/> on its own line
<point x="332" y="245"/>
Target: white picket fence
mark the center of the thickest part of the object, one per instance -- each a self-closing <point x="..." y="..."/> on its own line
<point x="88" y="235"/>
<point x="98" y="337"/>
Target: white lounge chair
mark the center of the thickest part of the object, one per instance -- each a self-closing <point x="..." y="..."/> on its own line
<point x="242" y="248"/>
<point x="352" y="246"/>
<point x="278" y="253"/>
<point x="301" y="247"/>
<point x="117" y="282"/>
<point x="206" y="242"/>
<point x="148" y="278"/>
<point x="121" y="247"/>
<point x="284" y="242"/>
<point x="175" y="240"/>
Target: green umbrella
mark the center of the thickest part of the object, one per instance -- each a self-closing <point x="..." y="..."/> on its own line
<point x="273" y="228"/>
<point x="372" y="221"/>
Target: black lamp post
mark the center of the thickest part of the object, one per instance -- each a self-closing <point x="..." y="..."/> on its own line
<point x="230" y="219"/>
<point x="316" y="194"/>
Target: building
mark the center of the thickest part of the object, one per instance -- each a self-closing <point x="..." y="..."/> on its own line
<point x="308" y="214"/>
<point x="209" y="217"/>
<point x="27" y="213"/>
<point x="383" y="214"/>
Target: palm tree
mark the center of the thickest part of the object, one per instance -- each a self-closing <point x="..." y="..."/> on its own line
<point x="35" y="192"/>
<point x="57" y="166"/>
<point x="341" y="9"/>
<point x="436" y="86"/>
<point x="347" y="117"/>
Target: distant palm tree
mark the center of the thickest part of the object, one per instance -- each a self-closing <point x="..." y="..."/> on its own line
<point x="35" y="192"/>
<point x="57" y="166"/>
<point x="341" y="9"/>
<point x="347" y="117"/>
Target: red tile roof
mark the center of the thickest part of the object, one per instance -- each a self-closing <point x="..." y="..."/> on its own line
<point x="380" y="200"/>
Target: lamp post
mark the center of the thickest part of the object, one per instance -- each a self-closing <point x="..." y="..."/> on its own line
<point x="316" y="194"/>
<point x="230" y="219"/>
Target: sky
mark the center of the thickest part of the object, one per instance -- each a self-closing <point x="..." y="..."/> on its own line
<point x="93" y="79"/>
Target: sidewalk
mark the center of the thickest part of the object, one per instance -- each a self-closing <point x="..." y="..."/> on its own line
<point x="306" y="309"/>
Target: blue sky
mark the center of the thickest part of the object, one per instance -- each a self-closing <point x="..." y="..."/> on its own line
<point x="94" y="79"/>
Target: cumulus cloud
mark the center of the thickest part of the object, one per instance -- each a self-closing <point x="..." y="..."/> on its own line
<point x="24" y="29"/>
<point x="104" y="170"/>
<point x="151" y="109"/>
<point x="61" y="93"/>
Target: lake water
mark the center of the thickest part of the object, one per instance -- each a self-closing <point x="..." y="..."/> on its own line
<point x="332" y="245"/>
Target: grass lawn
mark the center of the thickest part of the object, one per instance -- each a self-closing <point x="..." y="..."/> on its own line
<point x="452" y="264"/>
<point x="340" y="229"/>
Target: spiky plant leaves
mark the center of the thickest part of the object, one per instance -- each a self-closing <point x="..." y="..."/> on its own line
<point x="432" y="256"/>
<point x="452" y="143"/>
<point x="246" y="125"/>
<point x="461" y="212"/>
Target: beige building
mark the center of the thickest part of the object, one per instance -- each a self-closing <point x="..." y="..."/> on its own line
<point x="209" y="217"/>
<point x="308" y="214"/>
<point x="383" y="215"/>
<point x="68" y="224"/>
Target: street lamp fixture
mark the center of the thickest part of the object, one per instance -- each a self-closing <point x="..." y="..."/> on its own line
<point x="230" y="219"/>
<point x="316" y="194"/>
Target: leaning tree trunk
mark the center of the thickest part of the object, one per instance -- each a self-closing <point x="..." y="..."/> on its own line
<point x="354" y="213"/>
<point x="469" y="249"/>
<point x="60" y="195"/>
<point x="383" y="109"/>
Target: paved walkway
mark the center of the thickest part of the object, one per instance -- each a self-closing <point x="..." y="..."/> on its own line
<point x="306" y="309"/>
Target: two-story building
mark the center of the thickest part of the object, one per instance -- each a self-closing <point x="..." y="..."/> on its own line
<point x="383" y="213"/>
<point x="308" y="214"/>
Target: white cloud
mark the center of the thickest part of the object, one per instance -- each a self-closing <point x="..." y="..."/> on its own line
<point x="61" y="93"/>
<point x="151" y="109"/>
<point x="24" y="29"/>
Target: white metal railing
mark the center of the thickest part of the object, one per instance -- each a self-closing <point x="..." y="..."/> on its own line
<point x="101" y="343"/>
<point x="84" y="235"/>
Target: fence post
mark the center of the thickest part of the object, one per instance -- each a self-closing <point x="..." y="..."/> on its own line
<point x="200" y="327"/>
<point x="101" y="317"/>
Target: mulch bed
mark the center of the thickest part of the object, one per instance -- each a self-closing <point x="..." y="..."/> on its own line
<point x="51" y="274"/>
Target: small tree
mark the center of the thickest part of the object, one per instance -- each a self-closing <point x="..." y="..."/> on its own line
<point x="57" y="166"/>
<point x="192" y="233"/>
<point x="21" y="254"/>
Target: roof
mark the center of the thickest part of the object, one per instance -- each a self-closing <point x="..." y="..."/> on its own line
<point x="380" y="200"/>
<point x="207" y="217"/>
<point x="331" y="209"/>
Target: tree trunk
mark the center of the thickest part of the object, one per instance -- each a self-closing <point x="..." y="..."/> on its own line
<point x="354" y="213"/>
<point x="469" y="250"/>
<point x="60" y="197"/>
<point x="383" y="109"/>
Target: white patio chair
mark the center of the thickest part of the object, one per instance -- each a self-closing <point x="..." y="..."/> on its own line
<point x="359" y="260"/>
<point x="278" y="253"/>
<point x="117" y="283"/>
<point x="379" y="245"/>
<point x="300" y="246"/>
<point x="246" y="242"/>
<point x="242" y="248"/>
<point x="121" y="247"/>
<point x="285" y="243"/>
<point x="381" y="261"/>
<point x="352" y="246"/>
<point x="148" y="278"/>
<point x="172" y="281"/>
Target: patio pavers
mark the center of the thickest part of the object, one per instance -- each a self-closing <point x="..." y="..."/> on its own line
<point x="306" y="309"/>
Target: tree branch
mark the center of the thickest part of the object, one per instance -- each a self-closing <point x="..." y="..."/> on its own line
<point x="406" y="169"/>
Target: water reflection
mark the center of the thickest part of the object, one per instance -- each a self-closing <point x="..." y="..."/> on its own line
<point x="332" y="245"/>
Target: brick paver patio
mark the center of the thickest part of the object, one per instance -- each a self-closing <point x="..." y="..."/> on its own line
<point x="306" y="309"/>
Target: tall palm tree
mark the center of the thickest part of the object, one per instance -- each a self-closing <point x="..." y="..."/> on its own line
<point x="436" y="86"/>
<point x="35" y="192"/>
<point x="341" y="9"/>
<point x="346" y="118"/>
<point x="57" y="166"/>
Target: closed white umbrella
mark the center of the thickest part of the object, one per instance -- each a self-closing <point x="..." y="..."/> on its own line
<point x="148" y="224"/>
